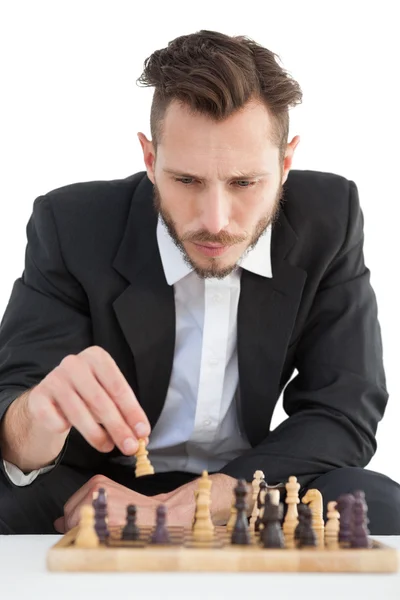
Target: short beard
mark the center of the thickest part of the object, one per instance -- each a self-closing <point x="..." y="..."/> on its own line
<point x="213" y="270"/>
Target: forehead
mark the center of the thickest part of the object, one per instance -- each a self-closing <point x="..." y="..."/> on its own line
<point x="243" y="140"/>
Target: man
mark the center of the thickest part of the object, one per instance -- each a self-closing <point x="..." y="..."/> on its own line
<point x="175" y="305"/>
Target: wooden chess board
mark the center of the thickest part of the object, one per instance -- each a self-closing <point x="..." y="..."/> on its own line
<point x="184" y="554"/>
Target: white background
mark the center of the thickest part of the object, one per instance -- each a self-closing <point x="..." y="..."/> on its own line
<point x="70" y="111"/>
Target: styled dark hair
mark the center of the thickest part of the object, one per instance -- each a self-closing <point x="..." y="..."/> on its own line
<point x="216" y="74"/>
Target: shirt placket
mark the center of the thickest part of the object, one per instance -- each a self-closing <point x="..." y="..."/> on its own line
<point x="213" y="361"/>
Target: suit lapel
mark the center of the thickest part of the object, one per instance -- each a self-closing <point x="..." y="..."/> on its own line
<point x="266" y="316"/>
<point x="146" y="309"/>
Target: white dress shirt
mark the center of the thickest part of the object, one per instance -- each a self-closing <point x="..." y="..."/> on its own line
<point x="199" y="426"/>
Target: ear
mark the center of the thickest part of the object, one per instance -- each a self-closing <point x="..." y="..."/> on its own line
<point x="149" y="155"/>
<point x="287" y="163"/>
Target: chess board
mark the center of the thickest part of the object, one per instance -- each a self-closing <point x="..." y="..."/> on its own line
<point x="184" y="554"/>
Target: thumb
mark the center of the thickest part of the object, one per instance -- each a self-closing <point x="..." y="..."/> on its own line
<point x="59" y="525"/>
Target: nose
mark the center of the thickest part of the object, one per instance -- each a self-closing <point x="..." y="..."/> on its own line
<point x="215" y="211"/>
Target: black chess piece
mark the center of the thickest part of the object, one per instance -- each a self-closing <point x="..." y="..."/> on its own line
<point x="263" y="514"/>
<point x="344" y="505"/>
<point x="359" y="522"/>
<point x="301" y="509"/>
<point x="240" y="533"/>
<point x="131" y="531"/>
<point x="262" y="488"/>
<point x="271" y="534"/>
<point x="160" y="534"/>
<point x="100" y="515"/>
<point x="304" y="533"/>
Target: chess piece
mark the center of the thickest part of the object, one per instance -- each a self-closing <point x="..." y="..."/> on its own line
<point x="86" y="536"/>
<point x="131" y="531"/>
<point x="271" y="534"/>
<point x="332" y="524"/>
<point x="160" y="534"/>
<point x="143" y="465"/>
<point x="260" y="505"/>
<point x="203" y="528"/>
<point x="300" y="525"/>
<point x="258" y="477"/>
<point x="304" y="533"/>
<point x="274" y="497"/>
<point x="100" y="515"/>
<point x="264" y="511"/>
<point x="345" y="507"/>
<point x="359" y="525"/>
<point x="232" y="518"/>
<point x="314" y="500"/>
<point x="292" y="500"/>
<point x="240" y="533"/>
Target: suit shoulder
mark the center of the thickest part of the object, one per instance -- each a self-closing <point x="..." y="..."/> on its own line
<point x="320" y="192"/>
<point x="84" y="194"/>
<point x="317" y="201"/>
<point x="90" y="217"/>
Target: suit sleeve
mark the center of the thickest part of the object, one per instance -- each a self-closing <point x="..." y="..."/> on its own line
<point x="338" y="397"/>
<point x="47" y="316"/>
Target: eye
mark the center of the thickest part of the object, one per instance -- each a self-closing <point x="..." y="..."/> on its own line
<point x="246" y="183"/>
<point x="184" y="180"/>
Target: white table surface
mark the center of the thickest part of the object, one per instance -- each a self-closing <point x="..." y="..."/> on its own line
<point x="23" y="574"/>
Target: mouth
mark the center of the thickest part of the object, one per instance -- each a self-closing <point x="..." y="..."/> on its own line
<point x="211" y="249"/>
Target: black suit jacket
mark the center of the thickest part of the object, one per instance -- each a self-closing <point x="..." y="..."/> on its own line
<point x="93" y="276"/>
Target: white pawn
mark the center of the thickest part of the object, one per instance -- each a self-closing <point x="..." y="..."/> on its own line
<point x="143" y="465"/>
<point x="333" y="522"/>
<point x="86" y="536"/>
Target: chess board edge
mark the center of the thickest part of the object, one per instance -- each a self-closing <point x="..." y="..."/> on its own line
<point x="63" y="556"/>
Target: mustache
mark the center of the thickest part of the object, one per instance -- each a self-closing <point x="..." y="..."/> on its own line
<point x="223" y="237"/>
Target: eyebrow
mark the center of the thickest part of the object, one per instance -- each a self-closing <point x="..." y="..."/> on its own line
<point x="235" y="175"/>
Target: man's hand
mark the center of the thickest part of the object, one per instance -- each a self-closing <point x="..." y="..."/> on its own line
<point x="181" y="502"/>
<point x="118" y="498"/>
<point x="86" y="391"/>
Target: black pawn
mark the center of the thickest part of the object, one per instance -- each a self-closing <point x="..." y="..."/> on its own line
<point x="345" y="507"/>
<point x="298" y="532"/>
<point x="263" y="486"/>
<point x="131" y="531"/>
<point x="100" y="515"/>
<point x="304" y="533"/>
<point x="240" y="533"/>
<point x="271" y="534"/>
<point x="160" y="534"/>
<point x="359" y="526"/>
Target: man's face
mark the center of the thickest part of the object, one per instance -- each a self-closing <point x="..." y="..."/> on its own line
<point x="217" y="186"/>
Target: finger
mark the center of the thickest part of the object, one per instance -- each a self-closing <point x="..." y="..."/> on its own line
<point x="73" y="518"/>
<point x="59" y="525"/>
<point x="43" y="409"/>
<point x="77" y="413"/>
<point x="84" y="495"/>
<point x="112" y="380"/>
<point x="98" y="404"/>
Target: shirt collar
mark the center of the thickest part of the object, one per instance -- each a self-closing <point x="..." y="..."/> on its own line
<point x="257" y="260"/>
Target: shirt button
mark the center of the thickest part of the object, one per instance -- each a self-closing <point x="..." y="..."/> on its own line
<point x="217" y="297"/>
<point x="213" y="361"/>
<point x="207" y="422"/>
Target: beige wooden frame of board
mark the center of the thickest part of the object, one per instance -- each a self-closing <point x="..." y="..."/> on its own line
<point x="63" y="556"/>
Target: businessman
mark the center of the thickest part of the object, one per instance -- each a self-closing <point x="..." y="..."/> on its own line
<point x="176" y="304"/>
